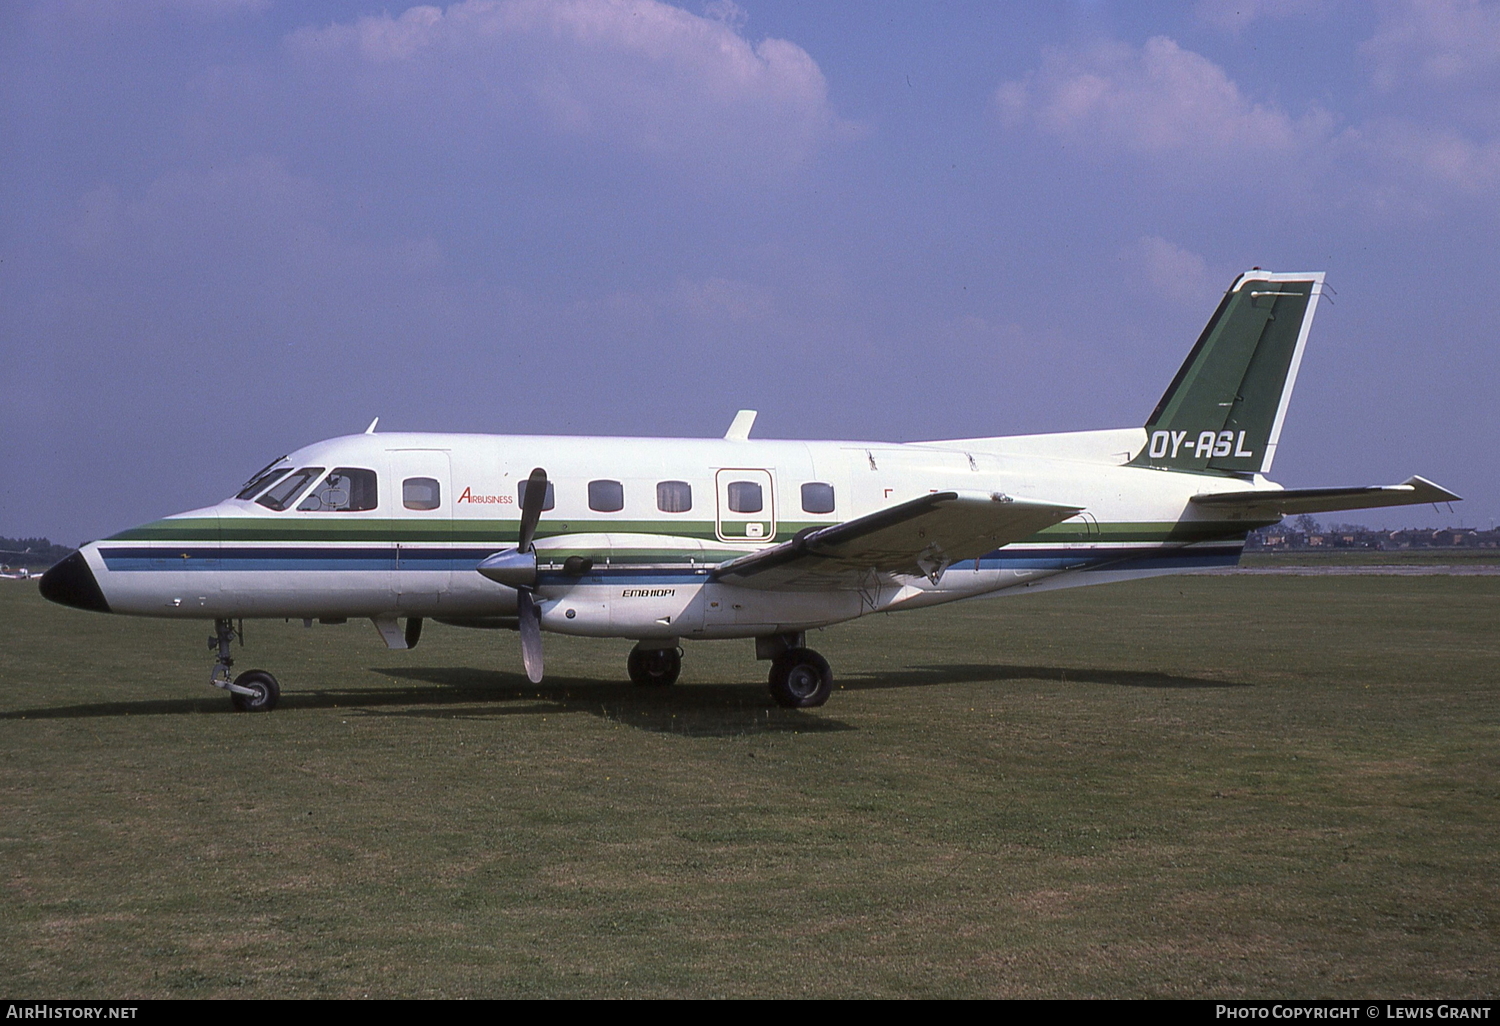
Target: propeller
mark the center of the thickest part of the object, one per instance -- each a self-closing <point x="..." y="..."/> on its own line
<point x="516" y="568"/>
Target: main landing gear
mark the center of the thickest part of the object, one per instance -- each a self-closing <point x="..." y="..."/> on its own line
<point x="655" y="667"/>
<point x="251" y="691"/>
<point x="800" y="678"/>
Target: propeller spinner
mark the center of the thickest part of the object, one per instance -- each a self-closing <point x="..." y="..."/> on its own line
<point x="516" y="568"/>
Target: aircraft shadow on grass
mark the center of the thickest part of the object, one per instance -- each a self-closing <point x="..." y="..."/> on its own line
<point x="981" y="673"/>
<point x="465" y="693"/>
<point x="703" y="710"/>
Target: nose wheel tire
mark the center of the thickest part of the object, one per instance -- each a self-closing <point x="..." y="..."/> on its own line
<point x="266" y="692"/>
<point x="654" y="667"/>
<point x="801" y="679"/>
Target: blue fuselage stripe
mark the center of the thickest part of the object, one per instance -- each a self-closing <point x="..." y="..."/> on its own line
<point x="446" y="560"/>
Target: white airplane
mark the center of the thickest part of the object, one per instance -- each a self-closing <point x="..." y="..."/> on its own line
<point x="666" y="540"/>
<point x="9" y="573"/>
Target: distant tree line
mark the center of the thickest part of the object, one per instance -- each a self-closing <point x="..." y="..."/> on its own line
<point x="32" y="553"/>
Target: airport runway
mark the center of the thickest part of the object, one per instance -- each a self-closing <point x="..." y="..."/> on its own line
<point x="1392" y="570"/>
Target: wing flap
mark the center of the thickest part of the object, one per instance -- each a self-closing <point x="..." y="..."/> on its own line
<point x="1294" y="501"/>
<point x="920" y="537"/>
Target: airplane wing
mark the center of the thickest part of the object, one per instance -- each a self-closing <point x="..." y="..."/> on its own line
<point x="1293" y="501"/>
<point x="921" y="537"/>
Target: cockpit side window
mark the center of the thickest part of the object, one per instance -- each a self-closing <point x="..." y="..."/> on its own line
<point x="262" y="477"/>
<point x="285" y="492"/>
<point x="344" y="490"/>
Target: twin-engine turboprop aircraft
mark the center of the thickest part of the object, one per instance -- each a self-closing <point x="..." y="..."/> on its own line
<point x="666" y="540"/>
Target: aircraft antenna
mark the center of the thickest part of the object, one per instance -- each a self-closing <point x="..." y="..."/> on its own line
<point x="739" y="430"/>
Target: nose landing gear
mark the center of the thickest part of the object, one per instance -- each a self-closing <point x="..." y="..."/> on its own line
<point x="263" y="691"/>
<point x="251" y="691"/>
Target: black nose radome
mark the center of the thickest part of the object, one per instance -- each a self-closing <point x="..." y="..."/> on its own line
<point x="71" y="583"/>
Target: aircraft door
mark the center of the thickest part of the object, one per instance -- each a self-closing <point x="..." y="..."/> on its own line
<point x="422" y="518"/>
<point x="746" y="505"/>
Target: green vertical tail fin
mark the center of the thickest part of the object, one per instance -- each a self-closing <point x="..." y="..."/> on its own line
<point x="1224" y="409"/>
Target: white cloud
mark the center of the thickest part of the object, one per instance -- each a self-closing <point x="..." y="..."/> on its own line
<point x="1179" y="275"/>
<point x="640" y="74"/>
<point x="726" y="11"/>
<point x="273" y="225"/>
<point x="1437" y="62"/>
<point x="1436" y="41"/>
<point x="1185" y="115"/>
<point x="1156" y="100"/>
<point x="1413" y="167"/>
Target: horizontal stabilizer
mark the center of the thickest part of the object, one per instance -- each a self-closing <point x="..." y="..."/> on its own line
<point x="921" y="537"/>
<point x="1293" y="501"/>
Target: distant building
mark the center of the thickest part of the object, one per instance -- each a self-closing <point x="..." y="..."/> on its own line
<point x="1285" y="538"/>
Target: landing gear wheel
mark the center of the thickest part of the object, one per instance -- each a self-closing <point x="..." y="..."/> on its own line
<point x="654" y="667"/>
<point x="267" y="692"/>
<point x="801" y="679"/>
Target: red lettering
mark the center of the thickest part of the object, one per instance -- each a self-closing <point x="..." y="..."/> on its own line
<point x="469" y="496"/>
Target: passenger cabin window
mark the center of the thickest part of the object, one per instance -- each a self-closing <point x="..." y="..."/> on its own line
<point x="745" y="497"/>
<point x="674" y="496"/>
<point x="344" y="490"/>
<point x="263" y="477"/>
<point x="285" y="492"/>
<point x="548" y="501"/>
<point x="421" y="493"/>
<point x="606" y="496"/>
<point x="817" y="497"/>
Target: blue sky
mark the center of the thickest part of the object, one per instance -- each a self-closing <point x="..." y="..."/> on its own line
<point x="232" y="227"/>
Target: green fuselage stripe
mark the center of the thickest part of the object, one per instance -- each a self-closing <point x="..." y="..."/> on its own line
<point x="501" y="533"/>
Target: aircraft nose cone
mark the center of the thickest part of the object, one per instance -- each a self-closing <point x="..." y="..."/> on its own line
<point x="72" y="583"/>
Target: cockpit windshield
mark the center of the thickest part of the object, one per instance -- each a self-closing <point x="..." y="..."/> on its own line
<point x="285" y="491"/>
<point x="262" y="477"/>
<point x="346" y="489"/>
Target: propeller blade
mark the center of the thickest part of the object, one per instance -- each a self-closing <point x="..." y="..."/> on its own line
<point x="413" y="631"/>
<point x="531" y="634"/>
<point x="531" y="507"/>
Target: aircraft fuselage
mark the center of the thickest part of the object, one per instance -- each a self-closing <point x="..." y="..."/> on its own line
<point x="651" y="567"/>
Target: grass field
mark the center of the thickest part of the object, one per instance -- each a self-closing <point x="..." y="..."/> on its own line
<point x="1198" y="787"/>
